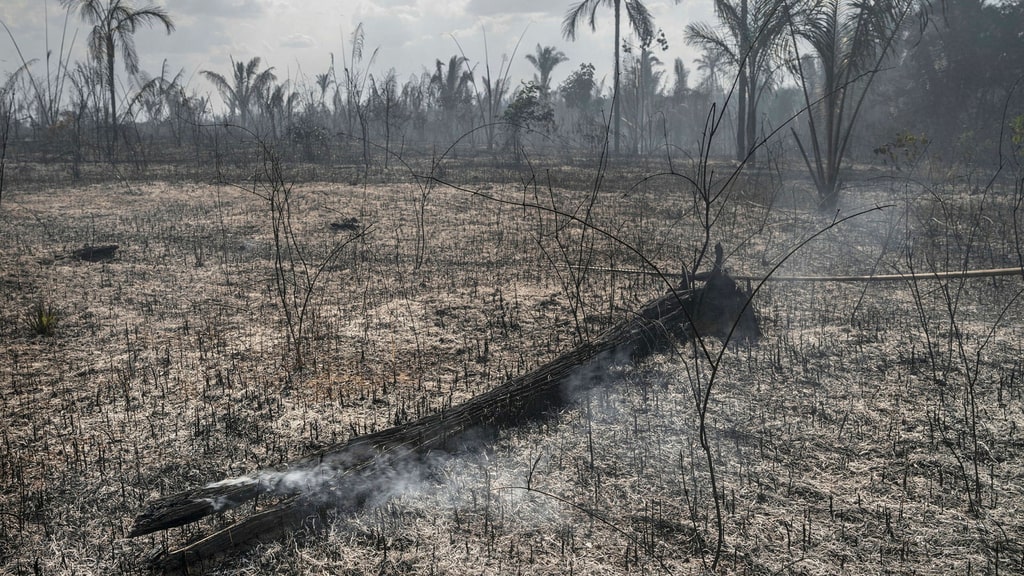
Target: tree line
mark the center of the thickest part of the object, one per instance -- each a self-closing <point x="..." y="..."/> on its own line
<point x="834" y="77"/>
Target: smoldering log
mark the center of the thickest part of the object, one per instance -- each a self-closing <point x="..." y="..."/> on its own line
<point x="345" y="476"/>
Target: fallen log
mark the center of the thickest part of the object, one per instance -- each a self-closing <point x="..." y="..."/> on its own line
<point x="99" y="253"/>
<point x="899" y="277"/>
<point x="348" y="475"/>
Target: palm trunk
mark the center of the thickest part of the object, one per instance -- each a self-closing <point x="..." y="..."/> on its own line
<point x="615" y="93"/>
<point x="112" y="119"/>
<point x="387" y="129"/>
<point x="744" y="84"/>
<point x="831" y="160"/>
<point x="741" y="117"/>
<point x="751" y="139"/>
<point x="243" y="111"/>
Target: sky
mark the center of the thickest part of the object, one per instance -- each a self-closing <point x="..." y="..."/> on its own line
<point x="298" y="37"/>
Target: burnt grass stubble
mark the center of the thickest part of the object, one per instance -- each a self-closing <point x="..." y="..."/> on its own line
<point x="876" y="428"/>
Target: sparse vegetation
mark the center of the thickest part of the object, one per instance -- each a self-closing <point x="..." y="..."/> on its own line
<point x="748" y="42"/>
<point x="189" y="367"/>
<point x="42" y="318"/>
<point x="328" y="259"/>
<point x="114" y="23"/>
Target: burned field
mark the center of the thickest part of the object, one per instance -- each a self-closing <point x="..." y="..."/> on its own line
<point x="874" y="427"/>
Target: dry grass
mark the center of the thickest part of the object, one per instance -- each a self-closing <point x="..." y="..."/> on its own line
<point x="843" y="443"/>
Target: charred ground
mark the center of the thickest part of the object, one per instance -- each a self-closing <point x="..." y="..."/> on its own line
<point x="875" y="428"/>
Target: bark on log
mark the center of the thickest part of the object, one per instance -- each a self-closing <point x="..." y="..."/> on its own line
<point x="345" y="476"/>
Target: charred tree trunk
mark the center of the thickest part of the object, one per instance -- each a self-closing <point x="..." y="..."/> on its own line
<point x="348" y="476"/>
<point x="96" y="253"/>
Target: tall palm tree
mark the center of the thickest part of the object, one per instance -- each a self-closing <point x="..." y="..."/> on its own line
<point x="749" y="32"/>
<point x="848" y="40"/>
<point x="682" y="80"/>
<point x="114" y="23"/>
<point x="451" y="86"/>
<point x="545" y="60"/>
<point x="245" y="87"/>
<point x="640" y="20"/>
<point x="644" y="77"/>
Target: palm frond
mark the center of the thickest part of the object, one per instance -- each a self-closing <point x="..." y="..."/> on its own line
<point x="640" y="18"/>
<point x="97" y="44"/>
<point x="129" y="54"/>
<point x="730" y="16"/>
<point x="358" y="39"/>
<point x="704" y="36"/>
<point x="585" y="9"/>
<point x="373" y="57"/>
<point x="88" y="10"/>
<point x="251" y="66"/>
<point x="150" y="16"/>
<point x="262" y="81"/>
<point x="218" y="81"/>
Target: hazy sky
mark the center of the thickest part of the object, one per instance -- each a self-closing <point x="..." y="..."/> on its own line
<point x="297" y="37"/>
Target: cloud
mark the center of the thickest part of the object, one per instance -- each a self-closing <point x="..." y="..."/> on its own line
<point x="298" y="40"/>
<point x="492" y="7"/>
<point x="201" y="38"/>
<point x="228" y="9"/>
<point x="299" y="37"/>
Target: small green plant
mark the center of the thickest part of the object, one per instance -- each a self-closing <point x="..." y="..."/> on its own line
<point x="43" y="318"/>
<point x="903" y="151"/>
<point x="1017" y="134"/>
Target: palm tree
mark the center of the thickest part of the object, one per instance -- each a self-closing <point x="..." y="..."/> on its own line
<point x="682" y="80"/>
<point x="413" y="98"/>
<point x="277" y="103"/>
<point x="383" y="105"/>
<point x="642" y="80"/>
<point x="710" y="63"/>
<point x="648" y="67"/>
<point x="495" y="89"/>
<point x="640" y="20"/>
<point x="355" y="75"/>
<point x="746" y="40"/>
<point x="245" y="87"/>
<point x="848" y="40"/>
<point x="450" y="86"/>
<point x="114" y="23"/>
<point x="323" y="82"/>
<point x="156" y="96"/>
<point x="545" y="60"/>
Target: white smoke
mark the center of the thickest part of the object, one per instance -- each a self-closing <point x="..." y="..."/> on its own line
<point x="219" y="503"/>
<point x="438" y="479"/>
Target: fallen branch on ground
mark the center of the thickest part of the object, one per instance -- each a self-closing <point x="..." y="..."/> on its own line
<point x="348" y="476"/>
<point x="944" y="275"/>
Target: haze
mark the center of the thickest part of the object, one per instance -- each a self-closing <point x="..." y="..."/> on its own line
<point x="297" y="38"/>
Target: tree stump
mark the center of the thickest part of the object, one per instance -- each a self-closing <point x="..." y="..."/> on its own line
<point x="100" y="253"/>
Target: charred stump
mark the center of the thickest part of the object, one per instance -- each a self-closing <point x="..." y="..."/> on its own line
<point x="343" y="477"/>
<point x="101" y="253"/>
